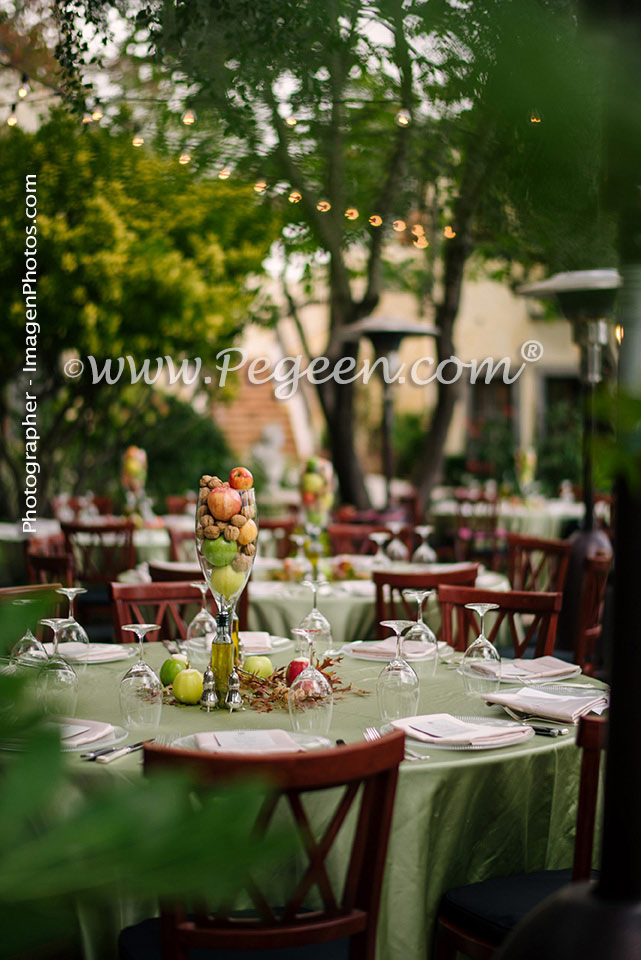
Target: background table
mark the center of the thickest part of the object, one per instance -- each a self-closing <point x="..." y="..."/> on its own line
<point x="537" y="518"/>
<point x="459" y="817"/>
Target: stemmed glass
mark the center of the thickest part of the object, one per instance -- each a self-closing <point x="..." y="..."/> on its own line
<point x="57" y="679"/>
<point x="317" y="622"/>
<point x="314" y="547"/>
<point x="28" y="649"/>
<point x="420" y="630"/>
<point x="397" y="687"/>
<point x="396" y="549"/>
<point x="481" y="662"/>
<point x="200" y="630"/>
<point x="310" y="698"/>
<point x="140" y="688"/>
<point x="74" y="633"/>
<point x="380" y="557"/>
<point x="424" y="553"/>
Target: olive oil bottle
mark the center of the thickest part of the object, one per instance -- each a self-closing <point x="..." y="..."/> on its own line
<point x="222" y="655"/>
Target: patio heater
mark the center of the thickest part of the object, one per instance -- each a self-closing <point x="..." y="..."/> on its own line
<point x="586" y="298"/>
<point x="386" y="334"/>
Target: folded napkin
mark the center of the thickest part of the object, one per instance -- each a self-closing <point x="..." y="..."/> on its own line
<point x="551" y="706"/>
<point x="539" y="668"/>
<point x="77" y="652"/>
<point x="386" y="649"/>
<point x="448" y="731"/>
<point x="256" y="641"/>
<point x="247" y="741"/>
<point x="75" y="733"/>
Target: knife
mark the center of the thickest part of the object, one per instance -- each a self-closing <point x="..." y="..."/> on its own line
<point x="109" y="752"/>
<point x="550" y="731"/>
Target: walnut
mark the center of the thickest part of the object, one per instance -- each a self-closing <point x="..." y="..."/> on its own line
<point x="249" y="511"/>
<point x="230" y="532"/>
<point x="214" y="482"/>
<point x="204" y="493"/>
<point x="200" y="533"/>
<point x="202" y="510"/>
<point x="204" y="480"/>
<point x="249" y="549"/>
<point x="211" y="532"/>
<point x="238" y="520"/>
<point x="241" y="563"/>
<point x="206" y="520"/>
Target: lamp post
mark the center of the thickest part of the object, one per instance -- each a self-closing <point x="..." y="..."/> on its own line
<point x="586" y="298"/>
<point x="386" y="334"/>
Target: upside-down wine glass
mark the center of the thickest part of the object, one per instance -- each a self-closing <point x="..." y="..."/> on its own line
<point x="420" y="630"/>
<point x="140" y="688"/>
<point x="201" y="630"/>
<point x="397" y="687"/>
<point x="380" y="558"/>
<point x="74" y="633"/>
<point x="424" y="553"/>
<point x="310" y="698"/>
<point x="28" y="649"/>
<point x="57" y="680"/>
<point x="317" y="622"/>
<point x="481" y="662"/>
<point x="396" y="549"/>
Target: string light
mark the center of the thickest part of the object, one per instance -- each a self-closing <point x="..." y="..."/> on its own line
<point x="188" y="117"/>
<point x="137" y="141"/>
<point x="12" y="118"/>
<point x="449" y="233"/>
<point x="421" y="242"/>
<point x="295" y="197"/>
<point x="86" y="118"/>
<point x="260" y="186"/>
<point x="535" y="117"/>
<point x="619" y="333"/>
<point x="399" y="226"/>
<point x="375" y="220"/>
<point x="97" y="114"/>
<point x="403" y="118"/>
<point x="418" y="230"/>
<point x="184" y="158"/>
<point x="323" y="206"/>
<point x="351" y="213"/>
<point x="224" y="174"/>
<point x="24" y="87"/>
<point x="291" y="121"/>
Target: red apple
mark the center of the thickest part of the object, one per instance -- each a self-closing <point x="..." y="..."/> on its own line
<point x="240" y="478"/>
<point x="294" y="668"/>
<point x="224" y="502"/>
<point x="308" y="497"/>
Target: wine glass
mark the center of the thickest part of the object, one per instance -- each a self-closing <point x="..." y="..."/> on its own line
<point x="314" y="547"/>
<point x="57" y="680"/>
<point x="420" y="630"/>
<point x="396" y="549"/>
<point x="200" y="630"/>
<point x="310" y="698"/>
<point x="424" y="553"/>
<point x="380" y="538"/>
<point x="74" y="633"/>
<point x="397" y="687"/>
<point x="28" y="650"/>
<point x="140" y="688"/>
<point x="481" y="662"/>
<point x="317" y="622"/>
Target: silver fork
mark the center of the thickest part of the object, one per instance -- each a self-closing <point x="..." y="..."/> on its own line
<point x="371" y="734"/>
<point x="526" y="717"/>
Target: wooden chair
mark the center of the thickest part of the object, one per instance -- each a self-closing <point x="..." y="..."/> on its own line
<point x="475" y="920"/>
<point x="478" y="536"/>
<point x="167" y="572"/>
<point x="540" y="613"/>
<point x="392" y="605"/>
<point x="537" y="563"/>
<point x="362" y="777"/>
<point x="182" y="545"/>
<point x="280" y="531"/>
<point x="180" y="505"/>
<point x="353" y="538"/>
<point x="49" y="569"/>
<point x="589" y="626"/>
<point x="102" y="504"/>
<point x="100" y="551"/>
<point x="171" y="604"/>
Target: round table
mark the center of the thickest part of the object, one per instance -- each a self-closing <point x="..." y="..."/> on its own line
<point x="459" y="816"/>
<point x="536" y="518"/>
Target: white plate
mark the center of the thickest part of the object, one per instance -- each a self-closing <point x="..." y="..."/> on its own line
<point x="278" y="645"/>
<point x="420" y="745"/>
<point x="307" y="740"/>
<point x="353" y="650"/>
<point x="93" y="655"/>
<point x="119" y="733"/>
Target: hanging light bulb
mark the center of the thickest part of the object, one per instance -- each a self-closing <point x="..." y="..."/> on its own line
<point x="260" y="186"/>
<point x="421" y="243"/>
<point x="535" y="117"/>
<point x="188" y="117"/>
<point x="449" y="233"/>
<point x="97" y="114"/>
<point x="323" y="206"/>
<point x="86" y="118"/>
<point x="351" y="213"/>
<point x="399" y="226"/>
<point x="295" y="197"/>
<point x="418" y="230"/>
<point x="619" y="333"/>
<point x="403" y="117"/>
<point x="12" y="118"/>
<point x="24" y="87"/>
<point x="291" y="121"/>
<point x="184" y="158"/>
<point x="375" y="220"/>
<point x="137" y="141"/>
<point x="224" y="174"/>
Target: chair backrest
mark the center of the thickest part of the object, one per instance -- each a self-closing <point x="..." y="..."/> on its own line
<point x="182" y="545"/>
<point x="100" y="551"/>
<point x="45" y="593"/>
<point x="538" y="626"/>
<point x="596" y="570"/>
<point x="537" y="563"/>
<point x="49" y="569"/>
<point x="172" y="605"/>
<point x="478" y="536"/>
<point x="179" y="504"/>
<point x="591" y="738"/>
<point x="280" y="531"/>
<point x="169" y="572"/>
<point x="392" y="605"/>
<point x="354" y="537"/>
<point x="361" y="776"/>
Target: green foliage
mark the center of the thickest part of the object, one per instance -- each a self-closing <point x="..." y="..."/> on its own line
<point x="559" y="447"/>
<point x="409" y="434"/>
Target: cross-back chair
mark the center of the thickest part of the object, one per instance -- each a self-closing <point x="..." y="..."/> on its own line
<point x="392" y="605"/>
<point x="353" y="538"/>
<point x="537" y="563"/>
<point x="531" y="617"/>
<point x="167" y="571"/>
<point x="361" y="777"/>
<point x="590" y="620"/>
<point x="49" y="569"/>
<point x="279" y="532"/>
<point x="100" y="551"/>
<point x="170" y="604"/>
<point x="474" y="920"/>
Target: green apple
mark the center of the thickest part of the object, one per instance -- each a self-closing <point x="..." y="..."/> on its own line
<point x="313" y="482"/>
<point x="188" y="686"/>
<point x="227" y="581"/>
<point x="172" y="667"/>
<point x="219" y="552"/>
<point x="259" y="666"/>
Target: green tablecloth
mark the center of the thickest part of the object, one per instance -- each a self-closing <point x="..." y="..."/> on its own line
<point x="458" y="817"/>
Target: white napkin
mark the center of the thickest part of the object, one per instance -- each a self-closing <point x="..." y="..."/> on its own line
<point x="386" y="649"/>
<point x="77" y="652"/>
<point x="74" y="733"/>
<point x="256" y="641"/>
<point x="442" y="728"/>
<point x="551" y="706"/>
<point x="247" y="741"/>
<point x="539" y="668"/>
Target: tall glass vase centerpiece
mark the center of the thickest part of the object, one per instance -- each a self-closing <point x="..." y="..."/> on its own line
<point x="226" y="540"/>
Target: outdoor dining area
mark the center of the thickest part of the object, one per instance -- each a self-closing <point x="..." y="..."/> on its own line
<point x="320" y="482"/>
